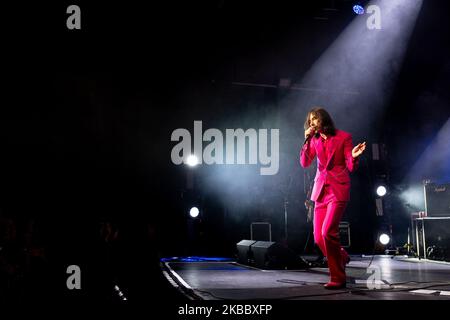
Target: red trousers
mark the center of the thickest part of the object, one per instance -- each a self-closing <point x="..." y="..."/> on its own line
<point x="328" y="213"/>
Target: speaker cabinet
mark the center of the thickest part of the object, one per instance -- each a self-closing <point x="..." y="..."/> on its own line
<point x="344" y="234"/>
<point x="437" y="200"/>
<point x="433" y="234"/>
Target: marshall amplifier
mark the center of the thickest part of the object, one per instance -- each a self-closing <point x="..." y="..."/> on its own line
<point x="437" y="200"/>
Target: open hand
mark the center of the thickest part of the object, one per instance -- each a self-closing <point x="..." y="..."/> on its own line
<point x="358" y="150"/>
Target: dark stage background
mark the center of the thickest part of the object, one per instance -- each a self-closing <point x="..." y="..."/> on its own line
<point x="86" y="119"/>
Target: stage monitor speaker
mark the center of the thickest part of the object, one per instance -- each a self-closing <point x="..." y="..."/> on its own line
<point x="244" y="253"/>
<point x="437" y="200"/>
<point x="273" y="255"/>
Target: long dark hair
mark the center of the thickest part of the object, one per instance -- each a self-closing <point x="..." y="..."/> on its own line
<point x="326" y="123"/>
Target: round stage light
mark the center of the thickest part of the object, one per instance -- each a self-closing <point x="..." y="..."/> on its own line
<point x="194" y="212"/>
<point x="358" y="9"/>
<point x="384" y="239"/>
<point x="381" y="191"/>
<point x="192" y="160"/>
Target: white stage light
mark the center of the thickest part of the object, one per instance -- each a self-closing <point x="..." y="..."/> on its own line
<point x="194" y="212"/>
<point x="384" y="239"/>
<point x="381" y="191"/>
<point x="192" y="161"/>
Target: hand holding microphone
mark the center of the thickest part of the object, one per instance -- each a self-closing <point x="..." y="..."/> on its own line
<point x="309" y="133"/>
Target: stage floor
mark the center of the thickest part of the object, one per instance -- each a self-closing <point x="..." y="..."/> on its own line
<point x="378" y="277"/>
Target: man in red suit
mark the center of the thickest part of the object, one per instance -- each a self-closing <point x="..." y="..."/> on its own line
<point x="336" y="158"/>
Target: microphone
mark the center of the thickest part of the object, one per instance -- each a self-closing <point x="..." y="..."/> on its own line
<point x="309" y="136"/>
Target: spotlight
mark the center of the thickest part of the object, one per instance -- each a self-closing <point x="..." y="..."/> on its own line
<point x="384" y="239"/>
<point x="381" y="191"/>
<point x="194" y="212"/>
<point x="358" y="9"/>
<point x="192" y="160"/>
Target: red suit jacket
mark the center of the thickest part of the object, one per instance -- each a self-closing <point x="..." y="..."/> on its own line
<point x="334" y="167"/>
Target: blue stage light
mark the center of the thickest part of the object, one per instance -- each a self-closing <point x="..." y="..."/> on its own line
<point x="358" y="9"/>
